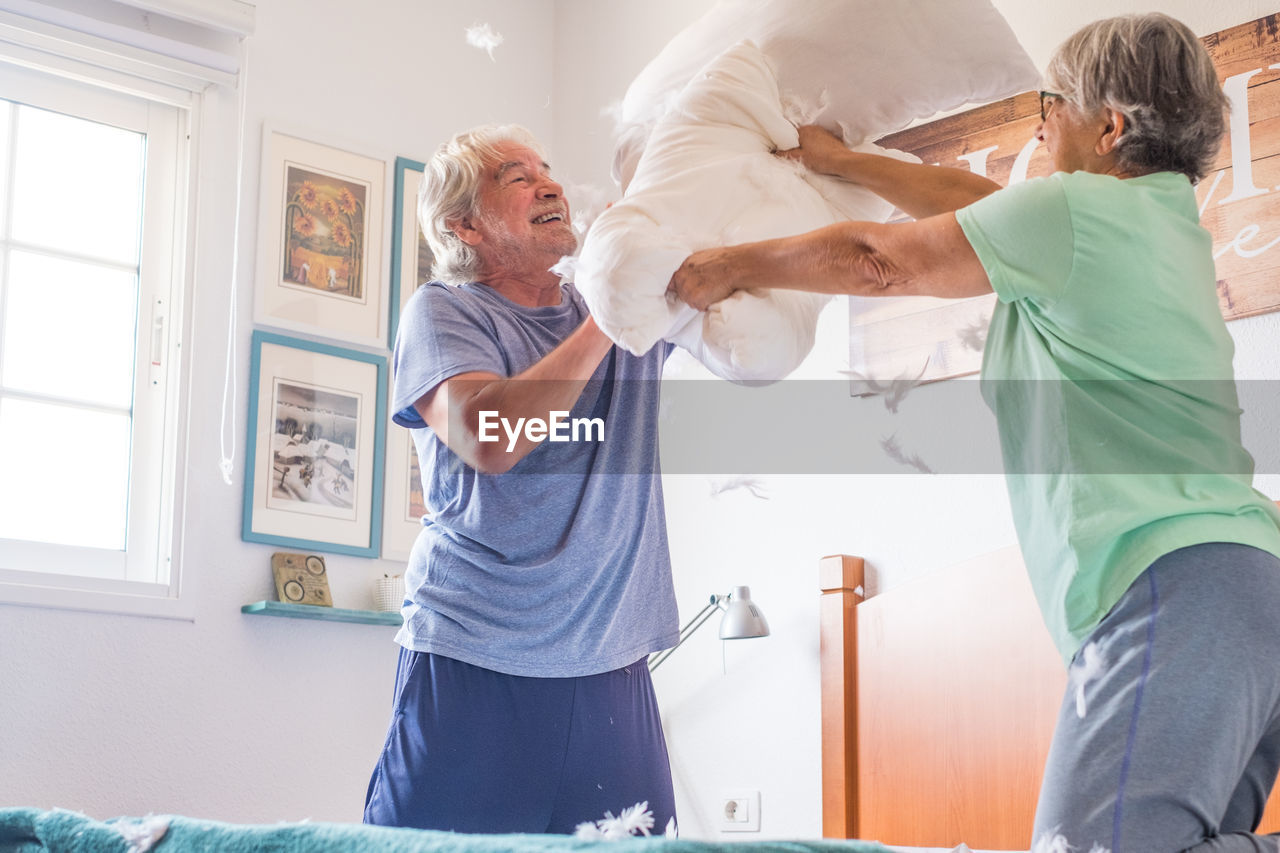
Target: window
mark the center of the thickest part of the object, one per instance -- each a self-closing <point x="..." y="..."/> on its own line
<point x="92" y="279"/>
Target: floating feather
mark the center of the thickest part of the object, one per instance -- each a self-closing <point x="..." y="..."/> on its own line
<point x="1054" y="842"/>
<point x="586" y="202"/>
<point x="143" y="833"/>
<point x="1051" y="842"/>
<point x="894" y="391"/>
<point x="974" y="337"/>
<point x="1089" y="666"/>
<point x="748" y="484"/>
<point x="483" y="37"/>
<point x="895" y="452"/>
<point x="636" y="820"/>
<point x="801" y="111"/>
<point x="566" y="267"/>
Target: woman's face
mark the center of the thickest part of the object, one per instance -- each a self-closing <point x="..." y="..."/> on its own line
<point x="1071" y="138"/>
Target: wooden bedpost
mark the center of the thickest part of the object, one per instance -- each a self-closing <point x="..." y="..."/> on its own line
<point x="841" y="580"/>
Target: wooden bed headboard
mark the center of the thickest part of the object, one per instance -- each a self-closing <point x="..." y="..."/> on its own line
<point x="939" y="699"/>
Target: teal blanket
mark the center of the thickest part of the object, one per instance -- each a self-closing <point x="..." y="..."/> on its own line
<point x="32" y="830"/>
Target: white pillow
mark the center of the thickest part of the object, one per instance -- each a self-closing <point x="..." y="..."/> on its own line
<point x="707" y="177"/>
<point x="871" y="66"/>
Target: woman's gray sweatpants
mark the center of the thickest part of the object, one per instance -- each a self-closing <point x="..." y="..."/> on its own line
<point x="1179" y="744"/>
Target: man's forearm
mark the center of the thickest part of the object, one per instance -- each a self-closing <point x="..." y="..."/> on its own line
<point x="552" y="384"/>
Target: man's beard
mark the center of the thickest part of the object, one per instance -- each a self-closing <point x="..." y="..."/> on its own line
<point x="518" y="253"/>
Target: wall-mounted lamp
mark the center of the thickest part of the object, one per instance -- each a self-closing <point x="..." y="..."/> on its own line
<point x="742" y="620"/>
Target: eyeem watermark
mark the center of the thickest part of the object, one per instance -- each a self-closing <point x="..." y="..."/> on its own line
<point x="559" y="428"/>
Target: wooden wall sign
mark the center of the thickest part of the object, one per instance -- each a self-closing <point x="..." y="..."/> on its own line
<point x="1239" y="205"/>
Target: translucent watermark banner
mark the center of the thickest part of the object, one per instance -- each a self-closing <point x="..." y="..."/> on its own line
<point x="959" y="427"/>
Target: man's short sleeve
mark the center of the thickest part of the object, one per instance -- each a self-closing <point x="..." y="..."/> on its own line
<point x="443" y="332"/>
<point x="1023" y="237"/>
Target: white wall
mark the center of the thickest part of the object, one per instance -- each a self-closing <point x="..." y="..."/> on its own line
<point x="260" y="720"/>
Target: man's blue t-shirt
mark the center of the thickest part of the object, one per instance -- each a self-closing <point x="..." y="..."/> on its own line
<point x="559" y="567"/>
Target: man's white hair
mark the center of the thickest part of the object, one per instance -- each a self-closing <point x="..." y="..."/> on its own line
<point x="450" y="189"/>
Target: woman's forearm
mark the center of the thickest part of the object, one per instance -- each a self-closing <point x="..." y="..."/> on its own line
<point x="836" y="259"/>
<point x="928" y="257"/>
<point x="919" y="190"/>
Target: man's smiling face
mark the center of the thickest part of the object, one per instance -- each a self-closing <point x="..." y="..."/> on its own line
<point x="522" y="216"/>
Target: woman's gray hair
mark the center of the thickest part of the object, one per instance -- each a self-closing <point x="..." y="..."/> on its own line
<point x="1155" y="72"/>
<point x="450" y="188"/>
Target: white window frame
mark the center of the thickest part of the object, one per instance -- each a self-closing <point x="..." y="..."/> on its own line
<point x="147" y="579"/>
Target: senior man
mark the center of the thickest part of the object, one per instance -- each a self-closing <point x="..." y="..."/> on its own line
<point x="541" y="579"/>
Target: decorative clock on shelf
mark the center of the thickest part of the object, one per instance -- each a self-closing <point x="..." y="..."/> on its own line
<point x="301" y="579"/>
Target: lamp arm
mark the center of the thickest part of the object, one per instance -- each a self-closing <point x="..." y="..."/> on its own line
<point x="689" y="628"/>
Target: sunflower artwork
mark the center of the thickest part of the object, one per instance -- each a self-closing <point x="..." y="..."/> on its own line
<point x="324" y="224"/>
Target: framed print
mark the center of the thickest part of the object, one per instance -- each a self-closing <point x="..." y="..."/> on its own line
<point x="411" y="257"/>
<point x="403" y="505"/>
<point x="317" y="420"/>
<point x="320" y="255"/>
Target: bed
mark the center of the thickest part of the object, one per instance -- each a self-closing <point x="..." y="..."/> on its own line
<point x="939" y="699"/>
<point x="28" y="830"/>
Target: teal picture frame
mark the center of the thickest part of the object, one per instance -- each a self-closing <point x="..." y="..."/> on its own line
<point x="409" y="267"/>
<point x="315" y="454"/>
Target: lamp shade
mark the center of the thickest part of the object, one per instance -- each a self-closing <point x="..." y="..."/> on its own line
<point x="742" y="619"/>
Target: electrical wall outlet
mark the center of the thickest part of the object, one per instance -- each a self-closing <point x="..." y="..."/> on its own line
<point x="740" y="811"/>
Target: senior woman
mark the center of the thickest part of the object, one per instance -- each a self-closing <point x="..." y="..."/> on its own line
<point x="1108" y="366"/>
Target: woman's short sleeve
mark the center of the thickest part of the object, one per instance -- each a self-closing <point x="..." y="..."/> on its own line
<point x="1024" y="239"/>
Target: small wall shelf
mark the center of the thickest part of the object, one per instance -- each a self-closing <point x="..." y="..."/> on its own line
<point x="311" y="611"/>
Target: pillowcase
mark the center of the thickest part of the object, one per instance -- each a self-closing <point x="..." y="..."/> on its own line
<point x="706" y="178"/>
<point x="870" y="66"/>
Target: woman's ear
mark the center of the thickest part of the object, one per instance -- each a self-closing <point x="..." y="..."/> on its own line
<point x="464" y="229"/>
<point x="1112" y="130"/>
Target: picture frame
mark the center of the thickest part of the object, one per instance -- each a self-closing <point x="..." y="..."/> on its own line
<point x="315" y="449"/>
<point x="411" y="257"/>
<point x="320" y="259"/>
<point x="403" y="504"/>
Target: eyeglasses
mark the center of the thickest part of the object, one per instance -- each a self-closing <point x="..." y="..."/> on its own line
<point x="1045" y="103"/>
